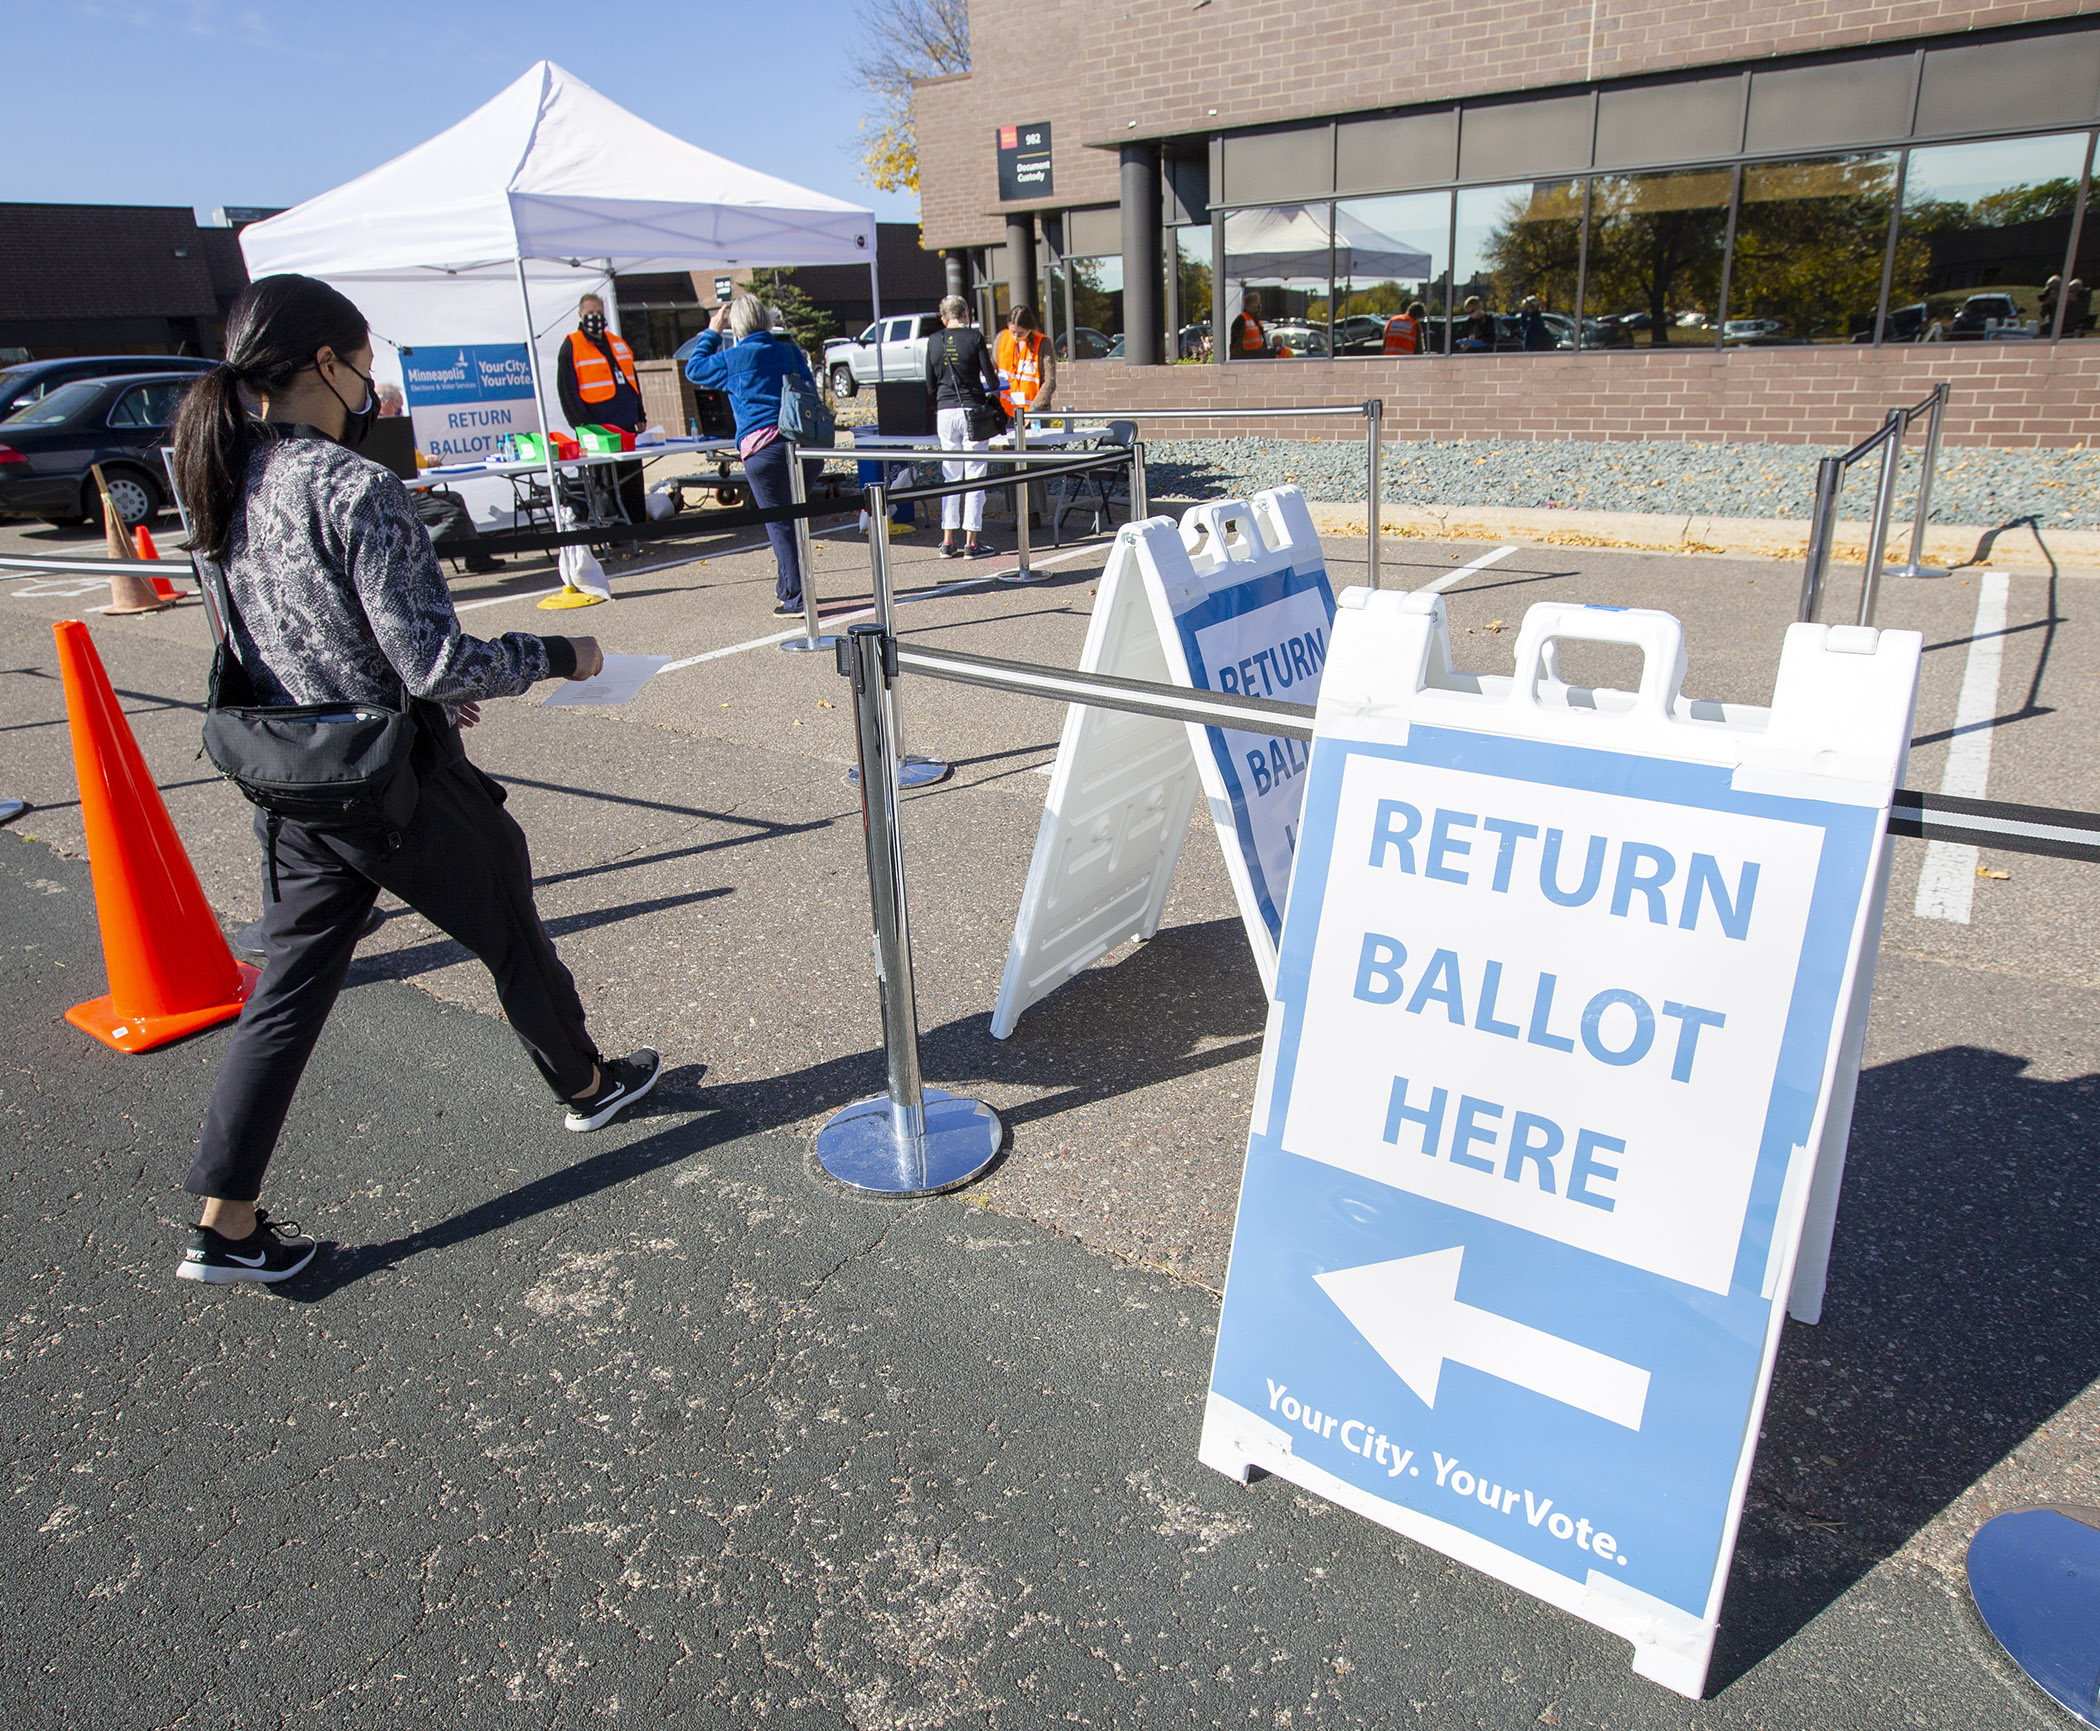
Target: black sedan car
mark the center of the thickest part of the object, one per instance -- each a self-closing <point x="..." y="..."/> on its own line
<point x="46" y="449"/>
<point x="24" y="384"/>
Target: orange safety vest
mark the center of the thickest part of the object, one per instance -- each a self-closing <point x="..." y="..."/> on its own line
<point x="1253" y="339"/>
<point x="1020" y="367"/>
<point x="594" y="378"/>
<point x="1402" y="337"/>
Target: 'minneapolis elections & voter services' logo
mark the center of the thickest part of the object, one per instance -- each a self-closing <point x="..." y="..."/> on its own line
<point x="466" y="397"/>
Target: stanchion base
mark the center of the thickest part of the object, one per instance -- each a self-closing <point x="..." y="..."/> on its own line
<point x="1914" y="571"/>
<point x="802" y="645"/>
<point x="10" y="809"/>
<point x="1019" y="576"/>
<point x="571" y="598"/>
<point x="859" y="1146"/>
<point x="912" y="772"/>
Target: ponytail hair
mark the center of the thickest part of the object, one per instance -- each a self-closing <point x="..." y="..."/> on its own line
<point x="274" y="331"/>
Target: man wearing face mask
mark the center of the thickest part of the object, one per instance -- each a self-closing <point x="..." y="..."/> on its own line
<point x="599" y="387"/>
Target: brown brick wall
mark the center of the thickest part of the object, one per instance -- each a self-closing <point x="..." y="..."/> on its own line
<point x="2003" y="395"/>
<point x="1090" y="67"/>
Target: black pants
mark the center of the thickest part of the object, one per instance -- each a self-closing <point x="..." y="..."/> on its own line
<point x="772" y="484"/>
<point x="452" y="532"/>
<point x="463" y="865"/>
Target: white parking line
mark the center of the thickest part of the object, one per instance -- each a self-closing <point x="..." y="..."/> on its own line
<point x="1437" y="585"/>
<point x="1947" y="884"/>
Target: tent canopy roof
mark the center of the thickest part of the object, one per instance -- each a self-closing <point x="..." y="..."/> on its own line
<point x="550" y="169"/>
<point x="1290" y="244"/>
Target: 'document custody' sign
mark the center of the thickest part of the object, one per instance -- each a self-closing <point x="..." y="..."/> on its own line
<point x="1024" y="161"/>
<point x="1559" y="1012"/>
<point x="466" y="397"/>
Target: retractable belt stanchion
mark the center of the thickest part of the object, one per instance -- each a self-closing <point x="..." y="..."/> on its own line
<point x="1933" y="408"/>
<point x="910" y="1140"/>
<point x="1020" y="573"/>
<point x="912" y="770"/>
<point x="1884" y="508"/>
<point x="1822" y="529"/>
<point x="1374" y="417"/>
<point x="1140" y="493"/>
<point x="805" y="554"/>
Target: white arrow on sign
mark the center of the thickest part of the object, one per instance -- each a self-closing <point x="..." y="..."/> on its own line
<point x="1409" y="1311"/>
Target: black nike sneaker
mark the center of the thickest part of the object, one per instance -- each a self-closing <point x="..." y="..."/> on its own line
<point x="274" y="1251"/>
<point x="621" y="1082"/>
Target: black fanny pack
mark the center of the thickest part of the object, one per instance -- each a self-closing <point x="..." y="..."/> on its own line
<point x="342" y="766"/>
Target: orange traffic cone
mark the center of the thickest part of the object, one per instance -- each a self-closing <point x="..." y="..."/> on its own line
<point x="127" y="594"/>
<point x="170" y="972"/>
<point x="142" y="544"/>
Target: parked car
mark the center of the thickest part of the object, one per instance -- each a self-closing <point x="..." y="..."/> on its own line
<point x="47" y="448"/>
<point x="1297" y="340"/>
<point x="1978" y="314"/>
<point x="1750" y="330"/>
<point x="1087" y="344"/>
<point x="1194" y="338"/>
<point x="900" y="343"/>
<point x="24" y="384"/>
<point x="1360" y="334"/>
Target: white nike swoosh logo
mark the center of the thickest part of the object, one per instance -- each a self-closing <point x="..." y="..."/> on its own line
<point x="248" y="1261"/>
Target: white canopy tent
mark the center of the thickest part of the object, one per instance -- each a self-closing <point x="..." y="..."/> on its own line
<point x="1289" y="245"/>
<point x="505" y="220"/>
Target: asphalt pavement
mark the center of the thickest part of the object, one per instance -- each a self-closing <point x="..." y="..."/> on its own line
<point x="661" y="1422"/>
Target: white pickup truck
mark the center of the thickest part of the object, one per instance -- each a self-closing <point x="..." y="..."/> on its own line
<point x="850" y="362"/>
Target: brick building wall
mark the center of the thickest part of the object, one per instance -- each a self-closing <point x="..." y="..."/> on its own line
<point x="2031" y="395"/>
<point x="1090" y="67"/>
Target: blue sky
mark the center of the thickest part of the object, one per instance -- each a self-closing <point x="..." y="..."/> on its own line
<point x="205" y="103"/>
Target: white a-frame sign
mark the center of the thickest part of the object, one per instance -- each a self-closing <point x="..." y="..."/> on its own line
<point x="1233" y="598"/>
<point x="1552" y="1106"/>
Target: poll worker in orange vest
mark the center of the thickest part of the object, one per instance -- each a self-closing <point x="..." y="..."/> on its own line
<point x="1403" y="335"/>
<point x="598" y="387"/>
<point x="1027" y="376"/>
<point x="1249" y="341"/>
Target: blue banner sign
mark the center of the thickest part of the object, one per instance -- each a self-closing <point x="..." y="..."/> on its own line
<point x="466" y="397"/>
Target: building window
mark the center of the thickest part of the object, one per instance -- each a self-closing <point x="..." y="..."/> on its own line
<point x="1277" y="261"/>
<point x="1656" y="246"/>
<point x="1985" y="228"/>
<point x="1391" y="255"/>
<point x="1510" y="243"/>
<point x="1191" y="265"/>
<point x="1097" y="308"/>
<point x="1810" y="242"/>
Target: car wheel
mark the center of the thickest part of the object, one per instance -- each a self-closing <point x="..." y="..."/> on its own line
<point x="843" y="384"/>
<point x="136" y="497"/>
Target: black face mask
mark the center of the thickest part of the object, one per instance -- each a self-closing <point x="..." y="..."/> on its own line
<point x="357" y="423"/>
<point x="592" y="324"/>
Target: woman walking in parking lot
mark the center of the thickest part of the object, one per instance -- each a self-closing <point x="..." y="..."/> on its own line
<point x="336" y="598"/>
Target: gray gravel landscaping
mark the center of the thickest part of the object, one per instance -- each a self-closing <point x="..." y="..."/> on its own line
<point x="1978" y="486"/>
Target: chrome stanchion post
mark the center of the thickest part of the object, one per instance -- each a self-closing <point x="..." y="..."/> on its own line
<point x="805" y="556"/>
<point x="1822" y="527"/>
<point x="1020" y="573"/>
<point x="1928" y="464"/>
<point x="1884" y="508"/>
<point x="910" y="1140"/>
<point x="912" y="770"/>
<point x="1374" y="416"/>
<point x="1140" y="491"/>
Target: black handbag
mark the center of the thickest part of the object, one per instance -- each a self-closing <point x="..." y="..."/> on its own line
<point x="345" y="766"/>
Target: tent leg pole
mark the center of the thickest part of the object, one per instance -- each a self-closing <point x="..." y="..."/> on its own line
<point x="571" y="596"/>
<point x="875" y="301"/>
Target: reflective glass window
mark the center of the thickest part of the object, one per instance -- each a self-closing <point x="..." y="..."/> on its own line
<point x="1980" y="253"/>
<point x="1512" y="242"/>
<point x="1656" y="244"/>
<point x="1192" y="265"/>
<point x="1097" y="308"/>
<point x="1276" y="282"/>
<point x="1390" y="256"/>
<point x="1810" y="241"/>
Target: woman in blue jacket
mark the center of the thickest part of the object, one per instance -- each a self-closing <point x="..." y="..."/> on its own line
<point x="750" y="370"/>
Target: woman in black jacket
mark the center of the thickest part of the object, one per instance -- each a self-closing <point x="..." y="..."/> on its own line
<point x="965" y="384"/>
<point x="338" y="598"/>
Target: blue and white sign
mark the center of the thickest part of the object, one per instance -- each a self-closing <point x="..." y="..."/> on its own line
<point x="1232" y="598"/>
<point x="1561" y="1008"/>
<point x="465" y="398"/>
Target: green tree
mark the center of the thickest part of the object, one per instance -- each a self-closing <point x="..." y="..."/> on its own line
<point x="808" y="324"/>
<point x="1810" y="238"/>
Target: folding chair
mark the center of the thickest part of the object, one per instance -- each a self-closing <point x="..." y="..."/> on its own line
<point x="1103" y="484"/>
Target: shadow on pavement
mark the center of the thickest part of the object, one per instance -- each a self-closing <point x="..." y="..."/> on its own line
<point x="1958" y="1320"/>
